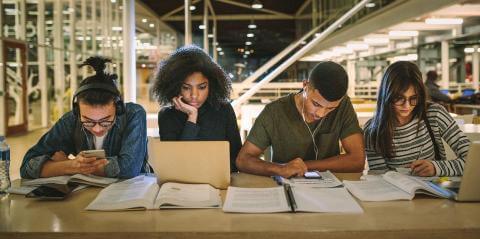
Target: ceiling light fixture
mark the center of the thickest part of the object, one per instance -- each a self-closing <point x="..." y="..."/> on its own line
<point x="250" y="35"/>
<point x="403" y="33"/>
<point x="192" y="7"/>
<point x="444" y="21"/>
<point x="248" y="43"/>
<point x="256" y="4"/>
<point x="370" y="5"/>
<point x="144" y="20"/>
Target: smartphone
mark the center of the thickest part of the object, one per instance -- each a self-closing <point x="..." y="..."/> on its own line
<point x="98" y="153"/>
<point x="52" y="191"/>
<point x="312" y="175"/>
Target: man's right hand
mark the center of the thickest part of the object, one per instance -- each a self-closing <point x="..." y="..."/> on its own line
<point x="294" y="168"/>
<point x="84" y="165"/>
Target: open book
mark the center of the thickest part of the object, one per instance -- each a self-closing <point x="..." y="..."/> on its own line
<point x="326" y="180"/>
<point x="290" y="199"/>
<point x="143" y="192"/>
<point x="393" y="186"/>
<point x="77" y="178"/>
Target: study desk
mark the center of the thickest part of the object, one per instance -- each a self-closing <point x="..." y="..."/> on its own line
<point x="421" y="218"/>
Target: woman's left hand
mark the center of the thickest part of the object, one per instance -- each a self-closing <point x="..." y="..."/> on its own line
<point x="422" y="168"/>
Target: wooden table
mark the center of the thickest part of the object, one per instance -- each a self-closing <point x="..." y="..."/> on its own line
<point x="421" y="218"/>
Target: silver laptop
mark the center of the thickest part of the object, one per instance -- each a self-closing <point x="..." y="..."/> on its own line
<point x="469" y="187"/>
<point x="191" y="161"/>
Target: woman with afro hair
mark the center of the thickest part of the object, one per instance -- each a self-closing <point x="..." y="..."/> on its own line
<point x="194" y="92"/>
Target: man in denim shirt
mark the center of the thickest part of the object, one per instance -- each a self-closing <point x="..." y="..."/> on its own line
<point x="99" y="120"/>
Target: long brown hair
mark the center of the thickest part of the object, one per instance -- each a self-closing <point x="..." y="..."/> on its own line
<point x="398" y="77"/>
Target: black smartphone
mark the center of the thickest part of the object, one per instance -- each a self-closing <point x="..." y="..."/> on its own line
<point x="312" y="175"/>
<point x="52" y="191"/>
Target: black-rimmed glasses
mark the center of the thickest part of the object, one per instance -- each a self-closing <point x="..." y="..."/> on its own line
<point x="103" y="123"/>
<point x="400" y="100"/>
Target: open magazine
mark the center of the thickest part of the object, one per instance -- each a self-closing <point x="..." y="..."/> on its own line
<point x="393" y="186"/>
<point x="77" y="178"/>
<point x="290" y="199"/>
<point x="143" y="192"/>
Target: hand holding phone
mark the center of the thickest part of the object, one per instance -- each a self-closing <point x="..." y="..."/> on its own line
<point x="97" y="153"/>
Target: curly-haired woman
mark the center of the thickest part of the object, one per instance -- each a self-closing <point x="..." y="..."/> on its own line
<point x="195" y="91"/>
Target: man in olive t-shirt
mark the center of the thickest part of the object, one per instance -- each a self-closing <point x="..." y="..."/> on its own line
<point x="304" y="129"/>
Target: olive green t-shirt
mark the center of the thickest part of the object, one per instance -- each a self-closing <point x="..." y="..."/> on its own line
<point x="281" y="126"/>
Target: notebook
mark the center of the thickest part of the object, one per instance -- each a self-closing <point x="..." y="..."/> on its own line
<point x="191" y="161"/>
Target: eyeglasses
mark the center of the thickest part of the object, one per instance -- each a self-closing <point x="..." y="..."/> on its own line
<point x="103" y="123"/>
<point x="400" y="100"/>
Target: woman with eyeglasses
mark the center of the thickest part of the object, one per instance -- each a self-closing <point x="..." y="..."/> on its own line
<point x="407" y="131"/>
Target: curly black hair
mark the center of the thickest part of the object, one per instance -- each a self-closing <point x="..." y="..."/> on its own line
<point x="172" y="72"/>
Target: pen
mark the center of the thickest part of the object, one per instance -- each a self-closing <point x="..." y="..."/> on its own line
<point x="418" y="157"/>
<point x="290" y="197"/>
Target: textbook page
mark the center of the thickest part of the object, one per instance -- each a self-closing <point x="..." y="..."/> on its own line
<point x="78" y="178"/>
<point x="256" y="200"/>
<point x="325" y="200"/>
<point x="93" y="180"/>
<point x="136" y="193"/>
<point x="413" y="185"/>
<point x="42" y="181"/>
<point x="174" y="195"/>
<point x="376" y="190"/>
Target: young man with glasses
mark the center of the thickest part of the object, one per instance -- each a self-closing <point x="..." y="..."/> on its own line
<point x="99" y="120"/>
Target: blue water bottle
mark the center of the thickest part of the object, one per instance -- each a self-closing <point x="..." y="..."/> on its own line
<point x="4" y="165"/>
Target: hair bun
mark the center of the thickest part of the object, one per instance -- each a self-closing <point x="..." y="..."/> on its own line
<point x="98" y="63"/>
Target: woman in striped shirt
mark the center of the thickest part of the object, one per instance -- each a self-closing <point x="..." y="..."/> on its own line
<point x="407" y="131"/>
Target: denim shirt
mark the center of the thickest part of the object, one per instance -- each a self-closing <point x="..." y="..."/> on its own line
<point x="125" y="144"/>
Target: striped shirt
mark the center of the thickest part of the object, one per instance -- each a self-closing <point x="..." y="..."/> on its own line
<point x="410" y="144"/>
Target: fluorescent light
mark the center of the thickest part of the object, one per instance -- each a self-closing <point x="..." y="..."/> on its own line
<point x="113" y="1"/>
<point x="152" y="25"/>
<point x="192" y="7"/>
<point x="144" y="20"/>
<point x="444" y="21"/>
<point x="342" y="50"/>
<point x="357" y="46"/>
<point x="256" y="4"/>
<point x="252" y="26"/>
<point x="117" y="29"/>
<point x="210" y="35"/>
<point x="201" y="27"/>
<point x="221" y="53"/>
<point x="403" y="33"/>
<point x="248" y="43"/>
<point x="409" y="57"/>
<point x="250" y="35"/>
<point x="370" y="5"/>
<point x="376" y="40"/>
<point x="469" y="50"/>
<point x="247" y="52"/>
<point x="219" y="49"/>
